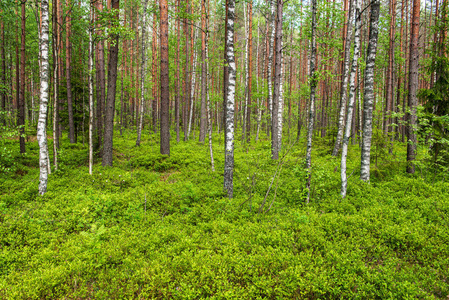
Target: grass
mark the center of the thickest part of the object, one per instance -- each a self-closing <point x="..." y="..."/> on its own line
<point x="161" y="227"/>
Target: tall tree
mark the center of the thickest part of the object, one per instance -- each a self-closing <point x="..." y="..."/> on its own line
<point x="344" y="79"/>
<point x="277" y="84"/>
<point x="112" y="85"/>
<point x="21" y="102"/>
<point x="68" y="70"/>
<point x="203" y="119"/>
<point x="165" y="96"/>
<point x="142" y="72"/>
<point x="390" y="74"/>
<point x="270" y="62"/>
<point x="352" y="95"/>
<point x="413" y="88"/>
<point x="230" y="100"/>
<point x="91" y="89"/>
<point x="250" y="70"/>
<point x="186" y="90"/>
<point x="3" y="90"/>
<point x="44" y="86"/>
<point x="100" y="76"/>
<point x="313" y="84"/>
<point x="368" y="101"/>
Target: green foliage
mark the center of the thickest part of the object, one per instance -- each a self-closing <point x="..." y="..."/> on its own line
<point x="161" y="227"/>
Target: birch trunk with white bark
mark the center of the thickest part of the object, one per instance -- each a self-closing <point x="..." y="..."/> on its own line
<point x="352" y="95"/>
<point x="313" y="83"/>
<point x="344" y="84"/>
<point x="43" y="106"/>
<point x="230" y="100"/>
<point x="368" y="98"/>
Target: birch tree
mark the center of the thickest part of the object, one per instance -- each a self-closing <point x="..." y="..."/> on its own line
<point x="352" y="95"/>
<point x="270" y="62"/>
<point x="142" y="72"/>
<point x="344" y="84"/>
<point x="277" y="98"/>
<point x="368" y="101"/>
<point x="230" y="94"/>
<point x="42" y="121"/>
<point x="91" y="93"/>
<point x="313" y="83"/>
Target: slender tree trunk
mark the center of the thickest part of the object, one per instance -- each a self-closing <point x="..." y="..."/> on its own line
<point x="250" y="71"/>
<point x="344" y="85"/>
<point x="91" y="92"/>
<point x="390" y="79"/>
<point x="112" y="85"/>
<point x="203" y="120"/>
<point x="21" y="102"/>
<point x="192" y="87"/>
<point x="3" y="92"/>
<point x="142" y="72"/>
<point x="178" y="88"/>
<point x="101" y="83"/>
<point x="165" y="96"/>
<point x="352" y="95"/>
<point x="230" y="94"/>
<point x="368" y="101"/>
<point x="277" y="84"/>
<point x="413" y="89"/>
<point x="44" y="86"/>
<point x="270" y="64"/>
<point x="209" y="122"/>
<point x="313" y="83"/>
<point x="186" y="91"/>
<point x="154" y="71"/>
<point x="68" y="71"/>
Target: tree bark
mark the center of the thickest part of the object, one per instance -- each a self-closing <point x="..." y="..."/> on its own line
<point x="413" y="89"/>
<point x="143" y="63"/>
<point x="178" y="88"/>
<point x="352" y="95"/>
<point x="3" y="92"/>
<point x="277" y="84"/>
<point x="344" y="85"/>
<point x="101" y="82"/>
<point x="313" y="83"/>
<point x="230" y="94"/>
<point x="203" y="120"/>
<point x="43" y="106"/>
<point x="390" y="77"/>
<point x="270" y="65"/>
<point x="250" y="70"/>
<point x="110" y="99"/>
<point x="165" y="95"/>
<point x="91" y="92"/>
<point x="368" y="101"/>
<point x="68" y="72"/>
<point x="21" y="102"/>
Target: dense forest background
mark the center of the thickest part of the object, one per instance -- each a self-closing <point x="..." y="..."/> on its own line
<point x="202" y="148"/>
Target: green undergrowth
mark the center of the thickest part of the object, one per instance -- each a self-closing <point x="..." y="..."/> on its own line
<point x="161" y="227"/>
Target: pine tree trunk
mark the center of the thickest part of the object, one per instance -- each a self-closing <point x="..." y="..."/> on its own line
<point x="3" y="92"/>
<point x="250" y="70"/>
<point x="110" y="98"/>
<point x="413" y="89"/>
<point x="101" y="82"/>
<point x="186" y="91"/>
<point x="313" y="84"/>
<point x="43" y="106"/>
<point x="178" y="89"/>
<point x="344" y="85"/>
<point x="368" y="101"/>
<point x="165" y="95"/>
<point x="352" y="95"/>
<point x="21" y="102"/>
<point x="230" y="94"/>
<point x="209" y="122"/>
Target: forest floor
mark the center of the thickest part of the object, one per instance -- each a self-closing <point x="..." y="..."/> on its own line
<point x="161" y="227"/>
